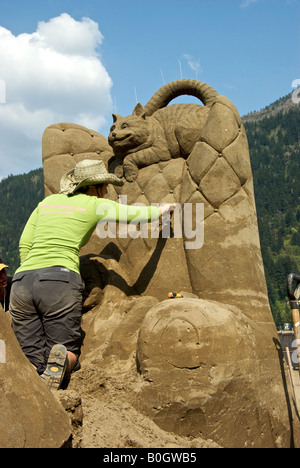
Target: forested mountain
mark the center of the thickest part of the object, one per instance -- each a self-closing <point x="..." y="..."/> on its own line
<point x="274" y="141"/>
<point x="19" y="195"/>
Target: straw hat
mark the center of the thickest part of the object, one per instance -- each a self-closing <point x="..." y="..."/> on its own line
<point x="87" y="172"/>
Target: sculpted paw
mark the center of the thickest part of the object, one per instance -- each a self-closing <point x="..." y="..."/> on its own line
<point x="130" y="171"/>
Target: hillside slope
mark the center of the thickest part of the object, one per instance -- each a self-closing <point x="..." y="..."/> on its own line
<point x="19" y="196"/>
<point x="273" y="136"/>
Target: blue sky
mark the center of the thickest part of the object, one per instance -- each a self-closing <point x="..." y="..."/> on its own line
<point x="63" y="60"/>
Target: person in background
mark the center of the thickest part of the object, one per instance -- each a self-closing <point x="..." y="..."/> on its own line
<point x="5" y="286"/>
<point x="46" y="295"/>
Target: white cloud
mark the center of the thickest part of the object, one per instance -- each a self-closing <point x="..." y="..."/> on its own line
<point x="52" y="75"/>
<point x="193" y="64"/>
<point x="246" y="3"/>
<point x="67" y="36"/>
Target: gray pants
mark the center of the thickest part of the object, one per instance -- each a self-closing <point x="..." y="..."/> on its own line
<point x="46" y="309"/>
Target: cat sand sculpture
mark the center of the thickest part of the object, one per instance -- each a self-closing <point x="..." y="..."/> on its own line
<point x="208" y="365"/>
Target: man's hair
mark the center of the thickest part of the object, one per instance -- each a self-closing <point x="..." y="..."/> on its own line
<point x="86" y="188"/>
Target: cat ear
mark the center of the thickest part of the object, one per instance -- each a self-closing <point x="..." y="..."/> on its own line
<point x="115" y="117"/>
<point x="139" y="111"/>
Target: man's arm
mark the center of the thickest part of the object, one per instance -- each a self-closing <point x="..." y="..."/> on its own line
<point x="113" y="211"/>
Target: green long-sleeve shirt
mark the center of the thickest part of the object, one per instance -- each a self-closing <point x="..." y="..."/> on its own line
<point x="61" y="225"/>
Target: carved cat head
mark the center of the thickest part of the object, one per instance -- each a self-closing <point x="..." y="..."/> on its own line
<point x="131" y="133"/>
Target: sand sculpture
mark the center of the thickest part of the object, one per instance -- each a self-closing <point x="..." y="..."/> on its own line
<point x="207" y="366"/>
<point x="31" y="417"/>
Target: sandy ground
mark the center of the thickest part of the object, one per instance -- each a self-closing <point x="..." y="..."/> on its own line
<point x="102" y="416"/>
